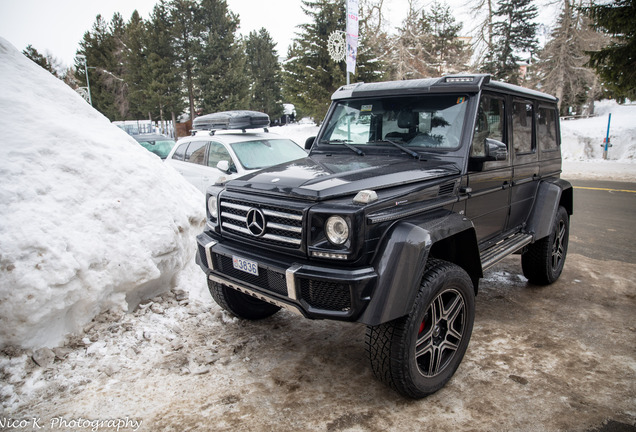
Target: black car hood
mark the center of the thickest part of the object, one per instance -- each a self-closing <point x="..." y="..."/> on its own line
<point x="322" y="177"/>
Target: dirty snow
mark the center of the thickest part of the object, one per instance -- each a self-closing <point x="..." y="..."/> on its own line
<point x="89" y="220"/>
<point x="177" y="362"/>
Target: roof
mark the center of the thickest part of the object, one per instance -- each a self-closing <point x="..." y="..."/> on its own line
<point x="462" y="83"/>
<point x="231" y="137"/>
<point x="152" y="137"/>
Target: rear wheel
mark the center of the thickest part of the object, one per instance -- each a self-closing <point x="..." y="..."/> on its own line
<point x="417" y="354"/>
<point x="543" y="261"/>
<point x="239" y="304"/>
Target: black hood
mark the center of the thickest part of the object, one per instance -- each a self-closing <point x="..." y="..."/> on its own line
<point x="322" y="177"/>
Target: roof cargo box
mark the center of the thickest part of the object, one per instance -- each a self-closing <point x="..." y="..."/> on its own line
<point x="231" y="120"/>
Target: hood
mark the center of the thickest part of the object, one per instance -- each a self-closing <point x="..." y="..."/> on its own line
<point x="323" y="177"/>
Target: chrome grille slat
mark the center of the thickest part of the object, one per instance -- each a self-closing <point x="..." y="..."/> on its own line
<point x="283" y="226"/>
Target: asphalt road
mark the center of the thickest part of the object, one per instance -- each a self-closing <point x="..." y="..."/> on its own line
<point x="603" y="226"/>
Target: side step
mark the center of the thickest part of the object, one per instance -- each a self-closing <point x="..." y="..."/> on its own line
<point x="499" y="251"/>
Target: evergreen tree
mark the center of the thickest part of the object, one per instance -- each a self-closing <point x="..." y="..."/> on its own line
<point x="103" y="48"/>
<point x="514" y="33"/>
<point x="561" y="67"/>
<point x="221" y="77"/>
<point x="163" y="93"/>
<point x="45" y="62"/>
<point x="186" y="43"/>
<point x="135" y="39"/>
<point x="616" y="63"/>
<point x="311" y="76"/>
<point x="445" y="52"/>
<point x="408" y="48"/>
<point x="265" y="74"/>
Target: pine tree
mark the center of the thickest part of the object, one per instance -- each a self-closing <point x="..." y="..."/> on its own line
<point x="311" y="76"/>
<point x="616" y="63"/>
<point x="561" y="67"/>
<point x="513" y="34"/>
<point x="186" y="31"/>
<point x="46" y="62"/>
<point x="446" y="52"/>
<point x="135" y="39"/>
<point x="221" y="76"/>
<point x="103" y="48"/>
<point x="265" y="74"/>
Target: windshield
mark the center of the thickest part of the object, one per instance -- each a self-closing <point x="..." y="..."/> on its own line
<point x="160" y="148"/>
<point x="417" y="122"/>
<point x="267" y="152"/>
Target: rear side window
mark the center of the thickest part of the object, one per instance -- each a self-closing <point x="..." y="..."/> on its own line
<point x="522" y="115"/>
<point x="547" y="129"/>
<point x="196" y="153"/>
<point x="489" y="124"/>
<point x="179" y="153"/>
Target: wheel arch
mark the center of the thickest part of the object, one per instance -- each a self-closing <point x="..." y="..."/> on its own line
<point x="402" y="258"/>
<point x="551" y="194"/>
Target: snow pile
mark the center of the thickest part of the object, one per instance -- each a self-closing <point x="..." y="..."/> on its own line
<point x="583" y="138"/>
<point x="89" y="220"/>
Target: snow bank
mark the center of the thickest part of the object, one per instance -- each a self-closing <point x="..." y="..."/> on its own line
<point x="89" y="220"/>
<point x="583" y="138"/>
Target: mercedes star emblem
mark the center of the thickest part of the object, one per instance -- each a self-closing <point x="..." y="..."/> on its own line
<point x="255" y="222"/>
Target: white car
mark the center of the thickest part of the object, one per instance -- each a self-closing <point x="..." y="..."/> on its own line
<point x="220" y="150"/>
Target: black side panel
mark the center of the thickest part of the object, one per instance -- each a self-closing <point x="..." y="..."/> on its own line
<point x="401" y="261"/>
<point x="546" y="205"/>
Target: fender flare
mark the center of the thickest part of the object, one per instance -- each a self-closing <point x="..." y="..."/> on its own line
<point x="401" y="259"/>
<point x="550" y="195"/>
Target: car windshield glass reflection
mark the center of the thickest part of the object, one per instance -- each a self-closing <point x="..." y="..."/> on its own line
<point x="160" y="148"/>
<point x="418" y="122"/>
<point x="264" y="153"/>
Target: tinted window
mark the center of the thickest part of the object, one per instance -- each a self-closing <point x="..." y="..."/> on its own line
<point x="522" y="115"/>
<point x="547" y="128"/>
<point x="196" y="153"/>
<point x="490" y="124"/>
<point x="160" y="147"/>
<point x="219" y="153"/>
<point x="179" y="153"/>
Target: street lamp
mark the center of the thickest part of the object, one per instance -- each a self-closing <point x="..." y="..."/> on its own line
<point x="82" y="58"/>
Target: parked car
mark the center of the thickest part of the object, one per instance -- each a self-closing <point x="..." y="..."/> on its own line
<point x="411" y="190"/>
<point x="160" y="145"/>
<point x="224" y="145"/>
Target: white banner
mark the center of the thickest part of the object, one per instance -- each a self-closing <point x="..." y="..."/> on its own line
<point x="352" y="34"/>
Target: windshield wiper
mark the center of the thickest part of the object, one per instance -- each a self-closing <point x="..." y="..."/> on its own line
<point x="346" y="144"/>
<point x="408" y="151"/>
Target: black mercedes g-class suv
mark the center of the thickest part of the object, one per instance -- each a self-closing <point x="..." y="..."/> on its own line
<point x="410" y="191"/>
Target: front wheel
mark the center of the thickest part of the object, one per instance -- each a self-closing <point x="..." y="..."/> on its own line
<point x="239" y="304"/>
<point x="543" y="261"/>
<point x="419" y="353"/>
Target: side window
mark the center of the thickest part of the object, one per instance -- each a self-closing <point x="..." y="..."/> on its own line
<point x="179" y="153"/>
<point x="522" y="115"/>
<point x="547" y="129"/>
<point x="219" y="153"/>
<point x="196" y="153"/>
<point x="489" y="124"/>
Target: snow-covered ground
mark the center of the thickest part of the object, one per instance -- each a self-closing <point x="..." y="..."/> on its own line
<point x="104" y="315"/>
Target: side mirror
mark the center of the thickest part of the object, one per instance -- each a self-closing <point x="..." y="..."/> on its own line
<point x="495" y="150"/>
<point x="309" y="142"/>
<point x="223" y="166"/>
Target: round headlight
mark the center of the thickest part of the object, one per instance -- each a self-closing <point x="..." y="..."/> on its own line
<point x="213" y="206"/>
<point x="337" y="230"/>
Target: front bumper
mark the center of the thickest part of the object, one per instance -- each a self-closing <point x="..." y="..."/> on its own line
<point x="300" y="286"/>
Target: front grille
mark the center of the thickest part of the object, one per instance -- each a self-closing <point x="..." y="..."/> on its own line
<point x="283" y="226"/>
<point x="267" y="279"/>
<point x="331" y="296"/>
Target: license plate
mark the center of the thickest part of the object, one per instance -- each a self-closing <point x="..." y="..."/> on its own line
<point x="248" y="266"/>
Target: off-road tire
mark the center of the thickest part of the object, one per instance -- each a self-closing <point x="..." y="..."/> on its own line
<point x="239" y="304"/>
<point x="441" y="320"/>
<point x="543" y="261"/>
